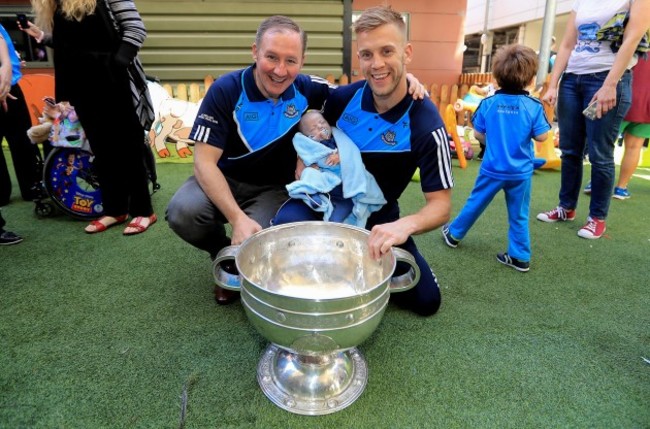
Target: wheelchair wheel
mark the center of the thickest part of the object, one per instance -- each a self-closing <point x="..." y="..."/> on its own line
<point x="44" y="209"/>
<point x="70" y="181"/>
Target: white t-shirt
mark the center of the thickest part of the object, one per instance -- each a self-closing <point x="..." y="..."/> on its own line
<point x="590" y="55"/>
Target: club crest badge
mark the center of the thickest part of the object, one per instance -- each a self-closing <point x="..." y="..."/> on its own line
<point x="389" y="138"/>
<point x="291" y="111"/>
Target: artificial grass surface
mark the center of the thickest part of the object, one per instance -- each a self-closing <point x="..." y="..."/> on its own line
<point x="106" y="331"/>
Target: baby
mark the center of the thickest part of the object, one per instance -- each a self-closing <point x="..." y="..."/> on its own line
<point x="314" y="126"/>
<point x="335" y="183"/>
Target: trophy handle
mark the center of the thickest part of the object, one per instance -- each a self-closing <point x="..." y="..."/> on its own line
<point x="409" y="279"/>
<point x="221" y="277"/>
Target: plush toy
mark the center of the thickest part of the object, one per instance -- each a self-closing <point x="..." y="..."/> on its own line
<point x="60" y="125"/>
<point x="41" y="132"/>
<point x="66" y="129"/>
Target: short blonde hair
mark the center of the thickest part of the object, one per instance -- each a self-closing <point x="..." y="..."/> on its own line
<point x="377" y="16"/>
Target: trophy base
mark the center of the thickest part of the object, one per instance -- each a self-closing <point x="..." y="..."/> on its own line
<point x="312" y="385"/>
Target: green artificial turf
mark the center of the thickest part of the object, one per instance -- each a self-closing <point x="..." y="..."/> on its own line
<point x="106" y="331"/>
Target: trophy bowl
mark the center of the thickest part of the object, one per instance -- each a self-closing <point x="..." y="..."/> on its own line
<point x="313" y="291"/>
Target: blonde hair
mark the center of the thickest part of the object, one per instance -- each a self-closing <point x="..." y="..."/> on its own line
<point x="71" y="9"/>
<point x="377" y="16"/>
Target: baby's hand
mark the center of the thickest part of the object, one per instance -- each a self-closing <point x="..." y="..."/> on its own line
<point x="333" y="159"/>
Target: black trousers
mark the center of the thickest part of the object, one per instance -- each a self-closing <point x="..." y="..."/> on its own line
<point x="14" y="124"/>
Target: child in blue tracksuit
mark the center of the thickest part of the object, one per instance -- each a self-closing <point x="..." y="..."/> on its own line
<point x="506" y="122"/>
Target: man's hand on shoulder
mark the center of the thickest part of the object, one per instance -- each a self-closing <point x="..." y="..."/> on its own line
<point x="417" y="90"/>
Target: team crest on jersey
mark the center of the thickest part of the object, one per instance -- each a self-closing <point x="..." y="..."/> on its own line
<point x="291" y="111"/>
<point x="389" y="138"/>
<point x="350" y="118"/>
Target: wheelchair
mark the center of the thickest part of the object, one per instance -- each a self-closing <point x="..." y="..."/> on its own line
<point x="70" y="185"/>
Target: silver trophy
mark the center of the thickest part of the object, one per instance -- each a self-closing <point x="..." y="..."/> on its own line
<point x="314" y="292"/>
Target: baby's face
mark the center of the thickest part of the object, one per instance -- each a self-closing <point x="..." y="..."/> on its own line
<point x="315" y="127"/>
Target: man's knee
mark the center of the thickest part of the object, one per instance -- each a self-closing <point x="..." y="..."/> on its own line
<point x="178" y="213"/>
<point x="424" y="299"/>
<point x="189" y="217"/>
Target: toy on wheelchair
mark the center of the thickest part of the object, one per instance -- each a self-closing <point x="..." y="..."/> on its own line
<point x="69" y="180"/>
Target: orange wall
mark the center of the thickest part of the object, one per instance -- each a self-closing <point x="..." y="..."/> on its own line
<point x="436" y="33"/>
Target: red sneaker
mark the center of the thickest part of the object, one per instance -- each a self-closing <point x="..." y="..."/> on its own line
<point x="594" y="228"/>
<point x="557" y="214"/>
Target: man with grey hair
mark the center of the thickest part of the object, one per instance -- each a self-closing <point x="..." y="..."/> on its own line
<point x="243" y="154"/>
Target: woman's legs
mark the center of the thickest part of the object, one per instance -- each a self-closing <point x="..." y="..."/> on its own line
<point x="102" y="99"/>
<point x="576" y="91"/>
<point x="571" y="101"/>
<point x="601" y="136"/>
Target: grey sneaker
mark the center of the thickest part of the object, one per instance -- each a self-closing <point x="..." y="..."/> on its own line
<point x="515" y="263"/>
<point x="449" y="240"/>
<point x="7" y="238"/>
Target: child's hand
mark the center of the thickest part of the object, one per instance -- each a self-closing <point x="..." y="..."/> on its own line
<point x="333" y="159"/>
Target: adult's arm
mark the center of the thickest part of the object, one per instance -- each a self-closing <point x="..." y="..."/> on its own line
<point x="215" y="186"/>
<point x="566" y="47"/>
<point x="35" y="31"/>
<point x="128" y="20"/>
<point x="634" y="31"/>
<point x="435" y="212"/>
